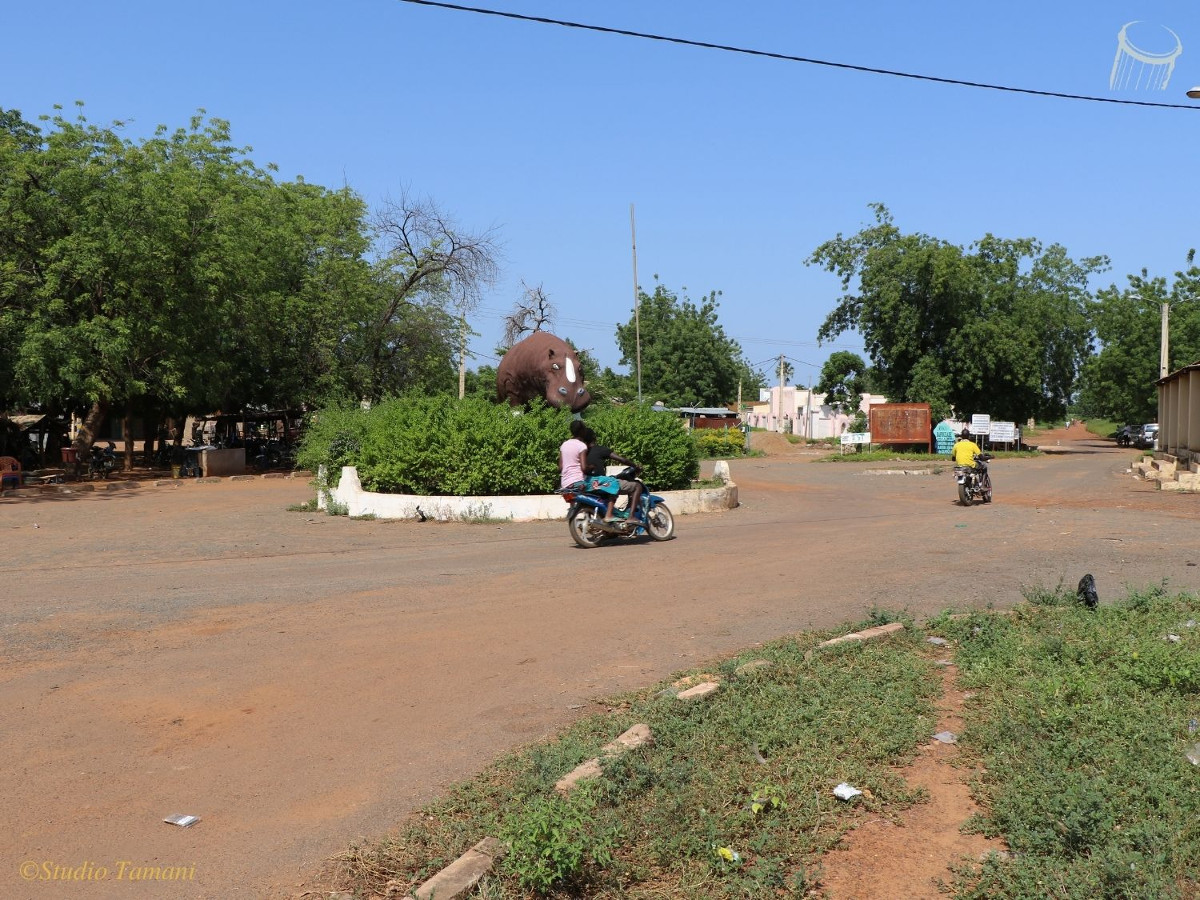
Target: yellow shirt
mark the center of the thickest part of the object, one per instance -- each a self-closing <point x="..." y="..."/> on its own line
<point x="964" y="452"/>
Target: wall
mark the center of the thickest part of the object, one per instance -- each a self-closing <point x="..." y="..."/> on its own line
<point x="350" y="494"/>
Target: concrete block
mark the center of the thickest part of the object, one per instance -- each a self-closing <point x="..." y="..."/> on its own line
<point x="870" y="634"/>
<point x="464" y="873"/>
<point x="242" y="477"/>
<point x="701" y="690"/>
<point x="229" y="461"/>
<point x="1170" y="486"/>
<point x="637" y="736"/>
<point x="207" y="480"/>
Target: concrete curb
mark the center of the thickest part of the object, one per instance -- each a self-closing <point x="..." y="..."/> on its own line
<point x="869" y="634"/>
<point x="637" y="736"/>
<point x="701" y="690"/>
<point x="349" y="494"/>
<point x="464" y="873"/>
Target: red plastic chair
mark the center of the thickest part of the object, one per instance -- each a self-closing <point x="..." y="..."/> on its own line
<point x="10" y="470"/>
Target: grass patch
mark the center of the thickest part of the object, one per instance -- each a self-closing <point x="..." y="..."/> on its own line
<point x="309" y="505"/>
<point x="1104" y="428"/>
<point x="732" y="800"/>
<point x="1080" y="730"/>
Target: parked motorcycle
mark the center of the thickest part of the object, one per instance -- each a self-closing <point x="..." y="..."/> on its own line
<point x="101" y="460"/>
<point x="585" y="519"/>
<point x="974" y="482"/>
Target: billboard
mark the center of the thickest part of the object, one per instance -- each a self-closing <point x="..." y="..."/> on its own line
<point x="900" y="423"/>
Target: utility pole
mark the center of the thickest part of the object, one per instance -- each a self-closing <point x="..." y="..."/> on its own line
<point x="780" y="404"/>
<point x="462" y="357"/>
<point x="637" y="303"/>
<point x="1162" y="356"/>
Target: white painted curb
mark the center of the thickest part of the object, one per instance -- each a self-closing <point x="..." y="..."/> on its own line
<point x="357" y="502"/>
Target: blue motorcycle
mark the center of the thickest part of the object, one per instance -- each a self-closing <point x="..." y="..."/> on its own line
<point x="585" y="519"/>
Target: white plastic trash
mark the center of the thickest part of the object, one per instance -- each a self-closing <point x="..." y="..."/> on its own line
<point x="845" y="792"/>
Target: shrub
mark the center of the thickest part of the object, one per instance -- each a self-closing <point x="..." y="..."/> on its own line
<point x="554" y="838"/>
<point x="470" y="447"/>
<point x="655" y="439"/>
<point x="713" y="442"/>
<point x="332" y="438"/>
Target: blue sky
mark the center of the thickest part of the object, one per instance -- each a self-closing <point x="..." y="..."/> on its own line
<point x="738" y="166"/>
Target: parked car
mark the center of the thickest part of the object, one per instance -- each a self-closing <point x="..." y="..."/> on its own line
<point x="1147" y="435"/>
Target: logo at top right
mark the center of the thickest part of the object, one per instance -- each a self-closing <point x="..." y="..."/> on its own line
<point x="1145" y="59"/>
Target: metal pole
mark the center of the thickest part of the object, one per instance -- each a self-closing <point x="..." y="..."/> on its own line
<point x="1162" y="357"/>
<point x="637" y="303"/>
<point x="462" y="357"/>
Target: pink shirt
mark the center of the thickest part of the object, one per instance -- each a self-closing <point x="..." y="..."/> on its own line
<point x="568" y="462"/>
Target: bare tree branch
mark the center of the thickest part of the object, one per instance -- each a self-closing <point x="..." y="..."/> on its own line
<point x="429" y="252"/>
<point x="533" y="312"/>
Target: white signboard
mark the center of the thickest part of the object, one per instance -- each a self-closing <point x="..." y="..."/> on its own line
<point x="853" y="438"/>
<point x="1003" y="432"/>
<point x="981" y="424"/>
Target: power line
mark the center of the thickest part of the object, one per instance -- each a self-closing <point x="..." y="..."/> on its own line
<point x="800" y="59"/>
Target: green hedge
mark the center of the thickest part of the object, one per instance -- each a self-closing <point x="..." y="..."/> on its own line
<point x="473" y="447"/>
<point x="719" y="442"/>
<point x="657" y="440"/>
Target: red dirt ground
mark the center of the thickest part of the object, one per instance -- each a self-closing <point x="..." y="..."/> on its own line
<point x="301" y="681"/>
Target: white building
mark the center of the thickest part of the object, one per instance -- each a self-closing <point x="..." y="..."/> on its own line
<point x="796" y="410"/>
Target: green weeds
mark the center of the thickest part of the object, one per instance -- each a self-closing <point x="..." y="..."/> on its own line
<point x="733" y="799"/>
<point x="1080" y="731"/>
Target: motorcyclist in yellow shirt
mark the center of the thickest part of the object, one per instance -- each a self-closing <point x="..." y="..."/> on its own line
<point x="965" y="449"/>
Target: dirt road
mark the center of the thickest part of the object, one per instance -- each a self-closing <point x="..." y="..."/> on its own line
<point x="300" y="681"/>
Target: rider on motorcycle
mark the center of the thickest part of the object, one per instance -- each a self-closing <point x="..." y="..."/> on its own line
<point x="596" y="462"/>
<point x="965" y="450"/>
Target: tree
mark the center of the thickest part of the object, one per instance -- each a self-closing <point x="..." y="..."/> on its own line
<point x="687" y="360"/>
<point x="532" y="312"/>
<point x="429" y="277"/>
<point x="998" y="327"/>
<point x="1118" y="383"/>
<point x="843" y="381"/>
<point x="167" y="273"/>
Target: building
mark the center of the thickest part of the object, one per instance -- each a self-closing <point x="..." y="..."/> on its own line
<point x="797" y="410"/>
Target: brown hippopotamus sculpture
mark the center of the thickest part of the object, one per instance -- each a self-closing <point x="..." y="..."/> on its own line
<point x="543" y="366"/>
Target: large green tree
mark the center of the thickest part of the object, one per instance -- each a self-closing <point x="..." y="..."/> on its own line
<point x="1118" y="383"/>
<point x="999" y="327"/>
<point x="167" y="274"/>
<point x="843" y="381"/>
<point x="687" y="359"/>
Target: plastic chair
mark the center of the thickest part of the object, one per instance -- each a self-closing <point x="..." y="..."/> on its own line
<point x="10" y="470"/>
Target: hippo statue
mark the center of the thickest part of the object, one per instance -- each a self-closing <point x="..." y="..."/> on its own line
<point x="543" y="366"/>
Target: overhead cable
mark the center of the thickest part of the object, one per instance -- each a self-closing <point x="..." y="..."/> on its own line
<point x="787" y="57"/>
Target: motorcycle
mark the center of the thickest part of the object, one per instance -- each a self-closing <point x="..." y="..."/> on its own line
<point x="585" y="518"/>
<point x="101" y="460"/>
<point x="974" y="482"/>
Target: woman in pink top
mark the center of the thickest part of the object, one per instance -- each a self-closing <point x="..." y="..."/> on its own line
<point x="571" y="455"/>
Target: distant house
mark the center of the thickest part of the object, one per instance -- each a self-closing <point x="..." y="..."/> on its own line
<point x="803" y="413"/>
<point x="705" y="416"/>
